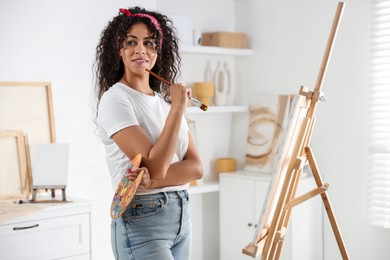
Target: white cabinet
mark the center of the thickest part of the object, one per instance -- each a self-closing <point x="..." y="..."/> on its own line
<point x="57" y="231"/>
<point x="242" y="196"/>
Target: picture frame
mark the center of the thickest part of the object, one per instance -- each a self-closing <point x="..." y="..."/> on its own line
<point x="15" y="166"/>
<point x="268" y="114"/>
<point x="28" y="106"/>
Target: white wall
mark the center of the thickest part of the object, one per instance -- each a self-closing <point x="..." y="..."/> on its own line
<point x="52" y="40"/>
<point x="289" y="38"/>
<point x="55" y="41"/>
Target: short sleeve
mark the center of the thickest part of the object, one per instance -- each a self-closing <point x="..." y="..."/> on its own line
<point x="116" y="112"/>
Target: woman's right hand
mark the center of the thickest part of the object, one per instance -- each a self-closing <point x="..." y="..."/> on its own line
<point x="179" y="95"/>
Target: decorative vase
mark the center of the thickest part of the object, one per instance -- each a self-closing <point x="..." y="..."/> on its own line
<point x="225" y="165"/>
<point x="204" y="91"/>
<point x="208" y="73"/>
<point x="231" y="90"/>
<point x="221" y="79"/>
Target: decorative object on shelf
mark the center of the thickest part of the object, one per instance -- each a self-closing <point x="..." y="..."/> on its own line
<point x="208" y="73"/>
<point x="267" y="122"/>
<point x="126" y="190"/>
<point x="225" y="165"/>
<point x="50" y="170"/>
<point x="197" y="37"/>
<point x="204" y="91"/>
<point x="231" y="92"/>
<point x="222" y="85"/>
<point x="225" y="39"/>
<point x="15" y="171"/>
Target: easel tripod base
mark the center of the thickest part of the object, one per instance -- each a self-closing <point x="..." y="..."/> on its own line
<point x="254" y="250"/>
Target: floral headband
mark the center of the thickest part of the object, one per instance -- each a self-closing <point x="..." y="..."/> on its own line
<point x="150" y="17"/>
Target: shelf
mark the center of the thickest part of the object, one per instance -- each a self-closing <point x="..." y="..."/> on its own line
<point x="217" y="109"/>
<point x="215" y="50"/>
<point x="204" y="188"/>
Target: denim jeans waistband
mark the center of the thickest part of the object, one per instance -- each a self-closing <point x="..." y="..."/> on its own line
<point x="168" y="194"/>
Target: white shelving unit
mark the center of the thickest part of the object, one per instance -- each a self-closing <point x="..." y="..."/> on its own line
<point x="216" y="50"/>
<point x="214" y="134"/>
<point x="217" y="109"/>
<point x="212" y="186"/>
<point x="212" y="111"/>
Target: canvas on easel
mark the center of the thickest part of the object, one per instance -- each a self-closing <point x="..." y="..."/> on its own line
<point x="267" y="122"/>
<point x="292" y="157"/>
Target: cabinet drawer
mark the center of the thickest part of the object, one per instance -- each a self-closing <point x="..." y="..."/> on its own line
<point x="46" y="239"/>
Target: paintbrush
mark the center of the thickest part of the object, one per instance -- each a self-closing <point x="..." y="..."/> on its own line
<point x="193" y="100"/>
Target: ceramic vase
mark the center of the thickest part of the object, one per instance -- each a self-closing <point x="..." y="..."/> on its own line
<point x="204" y="91"/>
<point x="221" y="80"/>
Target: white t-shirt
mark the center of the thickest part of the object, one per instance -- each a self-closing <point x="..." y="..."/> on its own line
<point x="121" y="107"/>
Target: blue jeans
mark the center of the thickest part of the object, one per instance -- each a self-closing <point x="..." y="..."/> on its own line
<point x="155" y="226"/>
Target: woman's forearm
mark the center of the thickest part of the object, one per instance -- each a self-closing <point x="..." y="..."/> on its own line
<point x="180" y="173"/>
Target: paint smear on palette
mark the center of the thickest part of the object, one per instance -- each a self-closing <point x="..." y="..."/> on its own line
<point x="126" y="190"/>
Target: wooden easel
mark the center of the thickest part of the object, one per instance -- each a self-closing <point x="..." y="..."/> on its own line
<point x="53" y="189"/>
<point x="271" y="238"/>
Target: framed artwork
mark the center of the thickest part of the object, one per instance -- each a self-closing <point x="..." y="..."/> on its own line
<point x="15" y="170"/>
<point x="28" y="106"/>
<point x="267" y="123"/>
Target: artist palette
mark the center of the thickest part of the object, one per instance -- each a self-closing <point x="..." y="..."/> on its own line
<point x="126" y="190"/>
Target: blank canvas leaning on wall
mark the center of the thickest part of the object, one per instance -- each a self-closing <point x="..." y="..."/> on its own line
<point x="15" y="172"/>
<point x="28" y="106"/>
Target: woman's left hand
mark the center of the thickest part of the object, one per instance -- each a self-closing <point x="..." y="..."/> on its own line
<point x="145" y="183"/>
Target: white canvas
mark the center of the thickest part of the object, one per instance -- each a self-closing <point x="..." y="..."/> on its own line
<point x="50" y="164"/>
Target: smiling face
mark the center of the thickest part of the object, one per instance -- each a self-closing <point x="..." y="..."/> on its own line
<point x="139" y="51"/>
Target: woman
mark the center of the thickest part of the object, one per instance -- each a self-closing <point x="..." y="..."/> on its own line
<point x="139" y="114"/>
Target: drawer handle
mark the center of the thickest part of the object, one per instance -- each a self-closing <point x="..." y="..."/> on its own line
<point x="21" y="228"/>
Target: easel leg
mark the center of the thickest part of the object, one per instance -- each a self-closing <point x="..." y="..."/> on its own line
<point x="327" y="205"/>
<point x="63" y="194"/>
<point x="287" y="211"/>
<point x="34" y="195"/>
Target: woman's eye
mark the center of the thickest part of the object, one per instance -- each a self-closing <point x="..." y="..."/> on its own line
<point x="131" y="43"/>
<point x="149" y="43"/>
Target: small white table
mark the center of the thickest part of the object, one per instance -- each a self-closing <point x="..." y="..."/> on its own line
<point x="49" y="231"/>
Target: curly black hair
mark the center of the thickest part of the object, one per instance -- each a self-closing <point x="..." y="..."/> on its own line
<point x="109" y="67"/>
